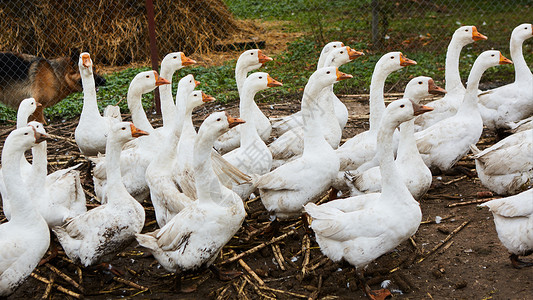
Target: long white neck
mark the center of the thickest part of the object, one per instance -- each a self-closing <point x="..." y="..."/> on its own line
<point x="241" y="72"/>
<point x="452" y="76"/>
<point x="407" y="144"/>
<point x="22" y="207"/>
<point x="188" y="126"/>
<point x="39" y="166"/>
<point x="313" y="132"/>
<point x="168" y="108"/>
<point x="22" y="117"/>
<point x="522" y="71"/>
<point x="138" y="115"/>
<point x="114" y="176"/>
<point x="469" y="105"/>
<point x="208" y="187"/>
<point x="248" y="131"/>
<point x="377" y="100"/>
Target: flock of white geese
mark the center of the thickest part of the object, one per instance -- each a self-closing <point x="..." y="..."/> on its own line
<point x="197" y="181"/>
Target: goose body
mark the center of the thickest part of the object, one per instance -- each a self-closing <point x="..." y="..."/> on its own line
<point x="25" y="238"/>
<point x="194" y="237"/>
<point x="507" y="166"/>
<point x="444" y="143"/>
<point x="285" y="190"/>
<point x="447" y="106"/>
<point x="101" y="232"/>
<point x="512" y="102"/>
<point x="414" y="172"/>
<point x="248" y="61"/>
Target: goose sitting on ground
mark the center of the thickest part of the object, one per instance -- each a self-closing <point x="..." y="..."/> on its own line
<point x="507" y="166"/>
<point x="362" y="228"/>
<point x="253" y="156"/>
<point x="25" y="238"/>
<point x="512" y="102"/>
<point x="444" y="143"/>
<point x="285" y="190"/>
<point x="513" y="217"/>
<point x="92" y="129"/>
<point x="193" y="238"/>
<point x="415" y="173"/>
<point x="248" y="61"/>
<point x="103" y="231"/>
<point x="447" y="106"/>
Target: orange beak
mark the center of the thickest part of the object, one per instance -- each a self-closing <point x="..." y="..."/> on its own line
<point x="504" y="60"/>
<point x="136" y="132"/>
<point x="233" y="121"/>
<point x="196" y="83"/>
<point x="476" y="36"/>
<point x="39" y="137"/>
<point x="271" y="82"/>
<point x="342" y="76"/>
<point x="404" y="61"/>
<point x="185" y="61"/>
<point x="38" y="104"/>
<point x="207" y="98"/>
<point x="353" y="54"/>
<point x="420" y="109"/>
<point x="86" y="60"/>
<point x="263" y="58"/>
<point x="160" y="80"/>
<point x="433" y="89"/>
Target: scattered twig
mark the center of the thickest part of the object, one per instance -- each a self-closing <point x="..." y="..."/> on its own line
<point x="470" y="202"/>
<point x="65" y="277"/>
<point x="256" y="288"/>
<point x="48" y="287"/>
<point x="249" y="270"/>
<point x="306" y="249"/>
<point x="278" y="256"/>
<point x="456" y="230"/>
<point x="58" y="287"/>
<point x="130" y="283"/>
<point x="283" y="292"/>
<point x="454" y="180"/>
<point x="432" y="221"/>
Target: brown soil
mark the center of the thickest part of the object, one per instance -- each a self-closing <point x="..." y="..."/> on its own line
<point x="471" y="264"/>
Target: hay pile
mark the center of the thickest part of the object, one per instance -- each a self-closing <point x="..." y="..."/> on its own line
<point x="114" y="31"/>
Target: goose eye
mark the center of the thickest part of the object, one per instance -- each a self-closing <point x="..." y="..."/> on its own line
<point x="174" y="57"/>
<point x="123" y="128"/>
<point x="252" y="53"/>
<point x="218" y="119"/>
<point x="402" y="105"/>
<point x="342" y="52"/>
<point x="392" y="57"/>
<point x="195" y="95"/>
<point x="147" y="76"/>
<point x="25" y="133"/>
<point x="334" y="46"/>
<point x="492" y="55"/>
<point x="420" y="82"/>
<point x="328" y="72"/>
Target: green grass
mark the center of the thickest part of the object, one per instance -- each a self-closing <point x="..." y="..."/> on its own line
<point x="422" y="33"/>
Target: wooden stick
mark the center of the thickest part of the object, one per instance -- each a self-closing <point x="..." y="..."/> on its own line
<point x="306" y="249"/>
<point x="456" y="230"/>
<point x="318" y="264"/>
<point x="65" y="277"/>
<point x="454" y="180"/>
<point x="283" y="292"/>
<point x="130" y="283"/>
<point x="48" y="287"/>
<point x="249" y="270"/>
<point x="58" y="287"/>
<point x="257" y="248"/>
<point x="278" y="256"/>
<point x="256" y="288"/>
<point x="434" y="222"/>
<point x="470" y="202"/>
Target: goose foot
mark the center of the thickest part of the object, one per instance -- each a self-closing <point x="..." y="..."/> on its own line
<point x="225" y="275"/>
<point x="519" y="264"/>
<point x="371" y="294"/>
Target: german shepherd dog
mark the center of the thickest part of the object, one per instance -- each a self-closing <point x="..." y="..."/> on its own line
<point x="47" y="80"/>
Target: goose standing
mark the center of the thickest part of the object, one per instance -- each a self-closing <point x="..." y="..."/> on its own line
<point x="361" y="229"/>
<point x="513" y="217"/>
<point x="248" y="61"/>
<point x="415" y="173"/>
<point x="92" y="129"/>
<point x="193" y="238"/>
<point x="101" y="232"/>
<point x="447" y="106"/>
<point x="25" y="238"/>
<point x="253" y="156"/>
<point x="285" y="190"/>
<point x="512" y="102"/>
<point x="284" y="124"/>
<point x="444" y="143"/>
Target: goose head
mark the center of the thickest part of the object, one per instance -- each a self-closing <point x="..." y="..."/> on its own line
<point x="393" y="61"/>
<point x="326" y="50"/>
<point x="324" y="77"/>
<point x="467" y="35"/>
<point x="403" y="110"/>
<point x="342" y="55"/>
<point x="197" y="98"/>
<point x="147" y="81"/>
<point x="217" y="124"/>
<point x="124" y="132"/>
<point x="252" y="59"/>
<point x="490" y="58"/>
<point x="185" y="86"/>
<point x="26" y="108"/>
<point x="85" y="64"/>
<point x="420" y="87"/>
<point x="38" y="127"/>
<point x="259" y="81"/>
<point x="522" y="32"/>
<point x="24" y="138"/>
<point x="175" y="61"/>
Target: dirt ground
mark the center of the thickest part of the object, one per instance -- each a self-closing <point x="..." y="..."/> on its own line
<point x="458" y="258"/>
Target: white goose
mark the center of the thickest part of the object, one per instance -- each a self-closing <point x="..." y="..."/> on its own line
<point x="137" y="155"/>
<point x="444" y="143"/>
<point x="92" y="129"/>
<point x="513" y="217"/>
<point x="507" y="166"/>
<point x="521" y="125"/>
<point x="362" y="147"/>
<point x="253" y="156"/>
<point x="290" y="144"/>
<point x="361" y="229"/>
<point x="194" y="237"/>
<point x="101" y="232"/>
<point x="284" y="124"/>
<point x="512" y="102"/>
<point x="167" y="196"/>
<point x="415" y="173"/>
<point x="25" y="238"/>
<point x="285" y="190"/>
<point x="248" y="61"/>
<point x="447" y="106"/>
